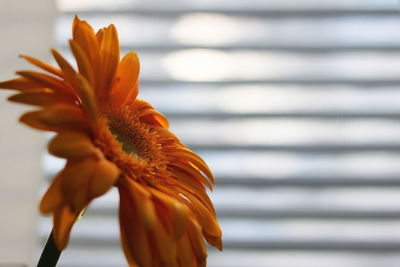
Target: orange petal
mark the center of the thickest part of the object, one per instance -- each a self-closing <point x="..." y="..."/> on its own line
<point x="74" y="185"/>
<point x="135" y="241"/>
<point x="148" y="113"/>
<point x="88" y="97"/>
<point x="86" y="179"/>
<point x="46" y="81"/>
<point x="105" y="176"/>
<point x="153" y="117"/>
<point x="215" y="241"/>
<point x="109" y="54"/>
<point x="206" y="219"/>
<point x="44" y="66"/>
<point x="140" y="104"/>
<point x="132" y="94"/>
<point x="192" y="172"/>
<point x="68" y="70"/>
<point x="41" y="98"/>
<point x="71" y="145"/>
<point x="201" y="263"/>
<point x="141" y="199"/>
<point x="21" y="84"/>
<point x="100" y="35"/>
<point x="128" y="72"/>
<point x="197" y="241"/>
<point x="84" y="36"/>
<point x="179" y="212"/>
<point x="165" y="245"/>
<point x="188" y="185"/>
<point x="52" y="199"/>
<point x="83" y="62"/>
<point x="56" y="118"/>
<point x="63" y="221"/>
<point x="180" y="216"/>
<point x="185" y="255"/>
<point x="166" y="134"/>
<point x="78" y="82"/>
<point x="187" y="154"/>
<point x="75" y="22"/>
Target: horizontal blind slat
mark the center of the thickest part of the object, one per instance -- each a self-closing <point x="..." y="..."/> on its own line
<point x="231" y="31"/>
<point x="242" y="258"/>
<point x="236" y="5"/>
<point x="214" y="66"/>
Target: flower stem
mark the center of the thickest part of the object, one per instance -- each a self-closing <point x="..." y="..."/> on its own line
<point x="50" y="254"/>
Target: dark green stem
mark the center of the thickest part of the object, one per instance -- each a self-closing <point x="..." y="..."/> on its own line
<point x="50" y="254"/>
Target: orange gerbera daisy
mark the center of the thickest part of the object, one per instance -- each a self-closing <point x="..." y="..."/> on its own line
<point x="109" y="137"/>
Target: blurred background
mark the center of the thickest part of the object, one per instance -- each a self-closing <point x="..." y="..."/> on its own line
<point x="295" y="105"/>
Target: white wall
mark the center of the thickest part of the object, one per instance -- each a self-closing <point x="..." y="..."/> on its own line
<point x="26" y="27"/>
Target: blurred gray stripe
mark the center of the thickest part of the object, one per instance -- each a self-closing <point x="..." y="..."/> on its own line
<point x="272" y="13"/>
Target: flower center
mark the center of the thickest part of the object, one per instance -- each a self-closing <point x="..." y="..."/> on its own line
<point x="133" y="137"/>
<point x="127" y="145"/>
<point x="133" y="146"/>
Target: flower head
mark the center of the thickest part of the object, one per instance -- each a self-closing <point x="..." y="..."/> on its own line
<point x="109" y="138"/>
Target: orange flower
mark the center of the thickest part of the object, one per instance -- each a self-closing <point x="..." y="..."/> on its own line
<point x="109" y="137"/>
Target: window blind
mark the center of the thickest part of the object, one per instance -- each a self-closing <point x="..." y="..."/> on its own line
<point x="295" y="105"/>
